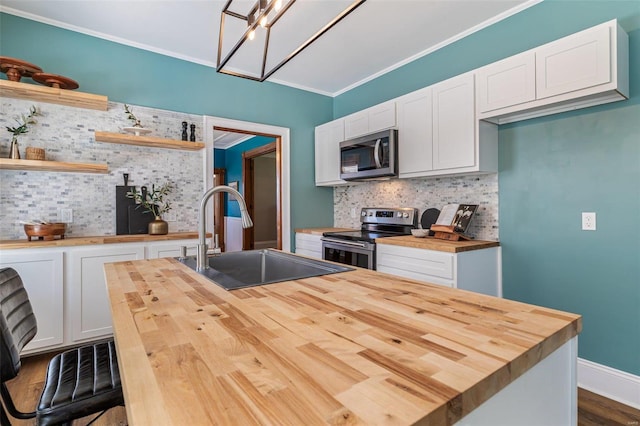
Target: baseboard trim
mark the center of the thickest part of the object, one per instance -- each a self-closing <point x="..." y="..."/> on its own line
<point x="609" y="382"/>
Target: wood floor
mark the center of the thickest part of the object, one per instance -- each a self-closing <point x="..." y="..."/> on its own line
<point x="593" y="409"/>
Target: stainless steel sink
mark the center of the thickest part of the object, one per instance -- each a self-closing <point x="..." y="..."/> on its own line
<point x="250" y="268"/>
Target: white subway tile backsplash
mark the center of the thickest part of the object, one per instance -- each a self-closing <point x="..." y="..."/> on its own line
<point x="67" y="134"/>
<point x="423" y="193"/>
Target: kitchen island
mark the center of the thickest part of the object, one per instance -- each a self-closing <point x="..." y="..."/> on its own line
<point x="359" y="347"/>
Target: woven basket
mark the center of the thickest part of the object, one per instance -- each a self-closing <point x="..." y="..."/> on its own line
<point x="35" y="153"/>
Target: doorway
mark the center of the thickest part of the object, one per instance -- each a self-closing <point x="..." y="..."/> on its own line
<point x="260" y="180"/>
<point x="261" y="186"/>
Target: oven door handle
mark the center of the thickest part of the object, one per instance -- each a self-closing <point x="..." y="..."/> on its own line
<point x="376" y="154"/>
<point x="345" y="242"/>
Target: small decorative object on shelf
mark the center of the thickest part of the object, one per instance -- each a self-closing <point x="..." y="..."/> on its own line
<point x="155" y="203"/>
<point x="137" y="128"/>
<point x="35" y="153"/>
<point x="193" y="133"/>
<point x="23" y="127"/>
<point x="185" y="136"/>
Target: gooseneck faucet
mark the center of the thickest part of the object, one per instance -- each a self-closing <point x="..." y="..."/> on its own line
<point x="201" y="255"/>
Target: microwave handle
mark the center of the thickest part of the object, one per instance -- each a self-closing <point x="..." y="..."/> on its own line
<point x="376" y="154"/>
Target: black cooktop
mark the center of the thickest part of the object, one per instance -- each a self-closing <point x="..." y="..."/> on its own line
<point x="360" y="235"/>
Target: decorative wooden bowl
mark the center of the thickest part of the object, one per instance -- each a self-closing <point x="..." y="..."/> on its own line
<point x="55" y="81"/>
<point x="45" y="232"/>
<point x="17" y="68"/>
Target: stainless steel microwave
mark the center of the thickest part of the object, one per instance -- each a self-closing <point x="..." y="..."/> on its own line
<point x="372" y="156"/>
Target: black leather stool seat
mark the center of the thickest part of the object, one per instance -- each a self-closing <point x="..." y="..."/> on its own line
<point x="80" y="382"/>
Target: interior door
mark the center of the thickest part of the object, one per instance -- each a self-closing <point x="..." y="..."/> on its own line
<point x="218" y="207"/>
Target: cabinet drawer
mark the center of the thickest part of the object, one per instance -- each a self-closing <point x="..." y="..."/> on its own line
<point x="308" y="242"/>
<point x="416" y="261"/>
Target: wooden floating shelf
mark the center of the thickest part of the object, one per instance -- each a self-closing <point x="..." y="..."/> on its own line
<point x="36" y="92"/>
<point x="149" y="141"/>
<point x="52" y="166"/>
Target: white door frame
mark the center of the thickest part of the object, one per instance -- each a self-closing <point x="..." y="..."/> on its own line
<point x="208" y="125"/>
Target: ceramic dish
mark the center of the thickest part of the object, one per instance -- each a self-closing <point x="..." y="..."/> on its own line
<point x="419" y="233"/>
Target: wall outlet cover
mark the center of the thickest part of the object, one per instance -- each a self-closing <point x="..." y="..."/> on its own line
<point x="588" y="221"/>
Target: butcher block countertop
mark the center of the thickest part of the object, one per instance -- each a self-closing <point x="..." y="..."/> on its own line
<point x="104" y="239"/>
<point x="320" y="231"/>
<point x="358" y="347"/>
<point x="430" y="243"/>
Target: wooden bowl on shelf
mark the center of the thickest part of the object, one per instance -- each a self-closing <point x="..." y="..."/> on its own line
<point x="46" y="232"/>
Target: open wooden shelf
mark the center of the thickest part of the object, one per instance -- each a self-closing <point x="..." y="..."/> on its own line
<point x="36" y="92"/>
<point x="149" y="141"/>
<point x="52" y="166"/>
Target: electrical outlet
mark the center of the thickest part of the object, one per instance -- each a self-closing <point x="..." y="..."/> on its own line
<point x="588" y="221"/>
<point x="353" y="213"/>
<point x="66" y="215"/>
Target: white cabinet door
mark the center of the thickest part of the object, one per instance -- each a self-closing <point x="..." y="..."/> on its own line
<point x="171" y="248"/>
<point x="454" y="123"/>
<point x="415" y="128"/>
<point x="42" y="275"/>
<point x="575" y="62"/>
<point x="356" y="124"/>
<point x="327" y="153"/>
<point x="382" y="116"/>
<point x="370" y="120"/>
<point x="309" y="245"/>
<point x="90" y="312"/>
<point x="511" y="81"/>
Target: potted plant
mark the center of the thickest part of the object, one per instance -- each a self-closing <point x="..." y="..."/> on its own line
<point x="154" y="202"/>
<point x="23" y="127"/>
<point x="137" y="128"/>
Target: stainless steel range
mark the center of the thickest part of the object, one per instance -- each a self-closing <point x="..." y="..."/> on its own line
<point x="358" y="248"/>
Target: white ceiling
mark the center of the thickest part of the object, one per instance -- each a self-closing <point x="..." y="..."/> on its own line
<point x="377" y="37"/>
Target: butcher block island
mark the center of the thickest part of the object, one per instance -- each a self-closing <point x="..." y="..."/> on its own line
<point x="358" y="347"/>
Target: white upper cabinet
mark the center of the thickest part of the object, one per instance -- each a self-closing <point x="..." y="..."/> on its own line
<point x="439" y="134"/>
<point x="454" y="123"/>
<point x="370" y="120"/>
<point x="576" y="62"/>
<point x="511" y="81"/>
<point x="415" y="133"/>
<point x="327" y="153"/>
<point x="587" y="68"/>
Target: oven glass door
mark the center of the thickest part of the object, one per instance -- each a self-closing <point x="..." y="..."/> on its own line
<point x="363" y="156"/>
<point x="348" y="254"/>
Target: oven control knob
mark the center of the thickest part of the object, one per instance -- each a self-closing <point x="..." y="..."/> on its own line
<point x="370" y="213"/>
<point x="405" y="215"/>
<point x="364" y="213"/>
<point x="399" y="214"/>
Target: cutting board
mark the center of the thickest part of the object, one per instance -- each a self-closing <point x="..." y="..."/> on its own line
<point x="122" y="209"/>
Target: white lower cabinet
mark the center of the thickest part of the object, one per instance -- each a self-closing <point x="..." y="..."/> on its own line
<point x="43" y="278"/>
<point x="309" y="245"/>
<point x="476" y="270"/>
<point x="89" y="310"/>
<point x="67" y="289"/>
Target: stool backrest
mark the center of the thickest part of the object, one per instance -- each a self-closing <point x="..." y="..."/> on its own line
<point x="17" y="322"/>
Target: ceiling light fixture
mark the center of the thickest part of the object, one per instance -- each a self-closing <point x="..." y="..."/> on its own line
<point x="264" y="15"/>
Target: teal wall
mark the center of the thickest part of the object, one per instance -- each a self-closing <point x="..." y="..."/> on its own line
<point x="138" y="77"/>
<point x="233" y="164"/>
<point x="551" y="170"/>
